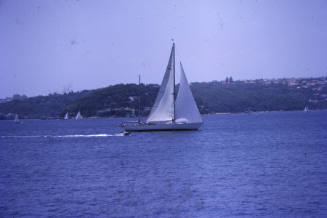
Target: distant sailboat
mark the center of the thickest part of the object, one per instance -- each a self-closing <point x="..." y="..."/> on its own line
<point x="306" y="109"/>
<point x="79" y="116"/>
<point x="168" y="113"/>
<point x="66" y="116"/>
<point x="16" y="120"/>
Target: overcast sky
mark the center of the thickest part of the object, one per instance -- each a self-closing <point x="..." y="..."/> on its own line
<point x="51" y="45"/>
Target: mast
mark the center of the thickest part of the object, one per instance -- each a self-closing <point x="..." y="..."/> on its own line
<point x="174" y="80"/>
<point x="139" y="118"/>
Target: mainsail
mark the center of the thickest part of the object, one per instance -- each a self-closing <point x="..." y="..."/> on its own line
<point x="163" y="108"/>
<point x="66" y="116"/>
<point x="186" y="109"/>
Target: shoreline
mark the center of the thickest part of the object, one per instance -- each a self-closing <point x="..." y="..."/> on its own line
<point x="208" y="114"/>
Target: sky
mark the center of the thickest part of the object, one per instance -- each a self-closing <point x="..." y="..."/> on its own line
<point x="51" y="46"/>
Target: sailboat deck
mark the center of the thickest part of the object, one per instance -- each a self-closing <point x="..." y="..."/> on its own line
<point x="162" y="127"/>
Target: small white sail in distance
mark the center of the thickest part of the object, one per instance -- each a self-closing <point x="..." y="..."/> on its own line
<point x="66" y="116"/>
<point x="163" y="108"/>
<point x="16" y="120"/>
<point x="79" y="116"/>
<point x="186" y="108"/>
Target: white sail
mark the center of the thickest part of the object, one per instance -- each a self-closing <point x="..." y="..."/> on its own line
<point x="66" y="116"/>
<point x="306" y="109"/>
<point x="186" y="109"/>
<point x="79" y="116"/>
<point x="163" y="108"/>
<point x="16" y="118"/>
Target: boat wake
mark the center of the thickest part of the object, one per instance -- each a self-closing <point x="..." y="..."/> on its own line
<point x="68" y="136"/>
<point x="91" y="135"/>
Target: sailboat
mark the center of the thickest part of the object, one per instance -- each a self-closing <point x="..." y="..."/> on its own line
<point x="66" y="116"/>
<point x="306" y="109"/>
<point x="168" y="114"/>
<point x="16" y="120"/>
<point x="78" y="116"/>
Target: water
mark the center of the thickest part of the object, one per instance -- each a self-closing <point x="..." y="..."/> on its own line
<point x="259" y="164"/>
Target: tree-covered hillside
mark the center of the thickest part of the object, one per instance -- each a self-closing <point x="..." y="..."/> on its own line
<point x="211" y="97"/>
<point x="240" y="97"/>
<point x="42" y="107"/>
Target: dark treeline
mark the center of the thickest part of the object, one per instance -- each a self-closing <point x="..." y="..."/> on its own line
<point x="211" y="97"/>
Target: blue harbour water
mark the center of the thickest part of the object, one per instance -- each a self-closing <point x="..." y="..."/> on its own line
<point x="239" y="165"/>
